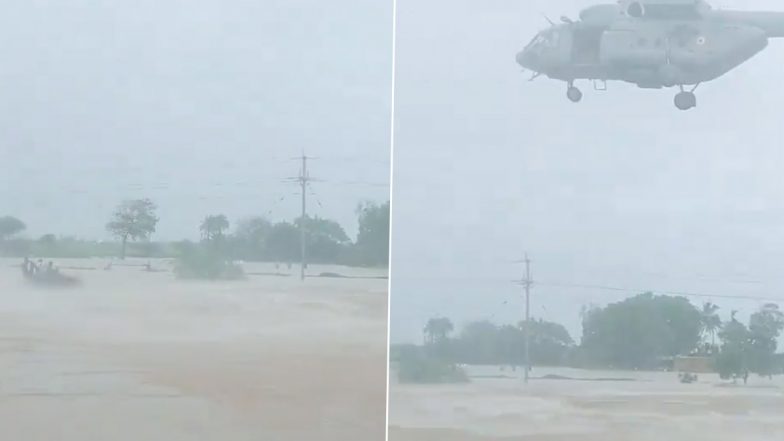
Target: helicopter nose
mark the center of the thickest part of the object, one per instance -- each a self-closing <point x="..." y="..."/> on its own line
<point x="526" y="59"/>
<point x="520" y="58"/>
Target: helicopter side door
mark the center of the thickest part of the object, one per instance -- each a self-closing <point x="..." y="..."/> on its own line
<point x="636" y="46"/>
<point x="586" y="45"/>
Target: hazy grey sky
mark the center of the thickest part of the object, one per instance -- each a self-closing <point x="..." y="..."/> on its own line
<point x="620" y="190"/>
<point x="197" y="104"/>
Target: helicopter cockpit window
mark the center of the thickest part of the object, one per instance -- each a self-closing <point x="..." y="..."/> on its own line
<point x="536" y="41"/>
<point x="546" y="38"/>
<point x="553" y="38"/>
<point x="550" y="38"/>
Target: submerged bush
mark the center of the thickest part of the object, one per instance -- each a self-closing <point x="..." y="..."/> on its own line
<point x="416" y="366"/>
<point x="205" y="262"/>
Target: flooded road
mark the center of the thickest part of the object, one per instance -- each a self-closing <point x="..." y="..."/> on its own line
<point x="135" y="355"/>
<point x="654" y="406"/>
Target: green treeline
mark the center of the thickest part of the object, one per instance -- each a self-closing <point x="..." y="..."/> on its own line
<point x="642" y="332"/>
<point x="133" y="223"/>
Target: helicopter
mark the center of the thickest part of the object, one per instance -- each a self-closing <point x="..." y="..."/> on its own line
<point x="654" y="44"/>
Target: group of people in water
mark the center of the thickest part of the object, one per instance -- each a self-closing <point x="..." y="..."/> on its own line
<point x="35" y="270"/>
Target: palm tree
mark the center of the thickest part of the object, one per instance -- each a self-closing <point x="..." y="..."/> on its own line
<point x="437" y="330"/>
<point x="213" y="226"/>
<point x="710" y="321"/>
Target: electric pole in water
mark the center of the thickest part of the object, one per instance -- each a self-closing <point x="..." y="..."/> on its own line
<point x="304" y="178"/>
<point x="527" y="282"/>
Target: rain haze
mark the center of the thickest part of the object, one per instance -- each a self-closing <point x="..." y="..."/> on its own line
<point x="197" y="105"/>
<point x="619" y="191"/>
<point x="202" y="107"/>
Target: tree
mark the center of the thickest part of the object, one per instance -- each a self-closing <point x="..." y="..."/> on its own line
<point x="768" y="322"/>
<point x="213" y="227"/>
<point x="47" y="245"/>
<point x="373" y="239"/>
<point x="478" y="343"/>
<point x="437" y="342"/>
<point x="510" y="345"/>
<point x="731" y="363"/>
<point x="250" y="238"/>
<point x="283" y="242"/>
<point x="710" y="322"/>
<point x="437" y="330"/>
<point x="751" y="349"/>
<point x="483" y="342"/>
<point x="10" y="226"/>
<point x="325" y="239"/>
<point x="639" y="331"/>
<point x="765" y="327"/>
<point x="549" y="341"/>
<point x="48" y="240"/>
<point x="316" y="226"/>
<point x="133" y="220"/>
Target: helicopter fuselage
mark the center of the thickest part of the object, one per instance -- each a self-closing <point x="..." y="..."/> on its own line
<point x="641" y="53"/>
<point x="608" y="44"/>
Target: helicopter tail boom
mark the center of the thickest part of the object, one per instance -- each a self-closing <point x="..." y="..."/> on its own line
<point x="770" y="22"/>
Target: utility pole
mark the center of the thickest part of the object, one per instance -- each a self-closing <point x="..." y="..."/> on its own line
<point x="304" y="178"/>
<point x="527" y="282"/>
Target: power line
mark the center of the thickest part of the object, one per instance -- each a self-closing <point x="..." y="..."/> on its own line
<point x="274" y="204"/>
<point x="597" y="287"/>
<point x="315" y="196"/>
<point x="359" y="183"/>
<point x="666" y="292"/>
<point x="740" y="279"/>
<point x="359" y="159"/>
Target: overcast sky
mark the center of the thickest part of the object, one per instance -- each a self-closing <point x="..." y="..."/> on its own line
<point x="196" y="104"/>
<point x="620" y="190"/>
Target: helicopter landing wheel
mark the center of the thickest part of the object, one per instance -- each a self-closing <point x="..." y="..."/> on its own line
<point x="574" y="94"/>
<point x="685" y="100"/>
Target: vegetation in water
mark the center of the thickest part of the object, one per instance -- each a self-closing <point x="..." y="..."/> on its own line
<point x="133" y="224"/>
<point x="642" y="332"/>
<point x="417" y="365"/>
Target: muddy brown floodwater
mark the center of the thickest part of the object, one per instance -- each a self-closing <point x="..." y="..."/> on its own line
<point x="136" y="355"/>
<point x="653" y="407"/>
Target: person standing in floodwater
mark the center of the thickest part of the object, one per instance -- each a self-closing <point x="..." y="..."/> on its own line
<point x="28" y="267"/>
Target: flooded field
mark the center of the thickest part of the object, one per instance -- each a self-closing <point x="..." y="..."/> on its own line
<point x="138" y="355"/>
<point x="642" y="407"/>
